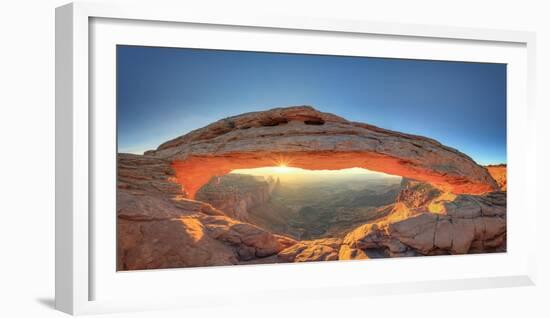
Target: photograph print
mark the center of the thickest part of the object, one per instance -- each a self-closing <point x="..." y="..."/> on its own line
<point x="239" y="157"/>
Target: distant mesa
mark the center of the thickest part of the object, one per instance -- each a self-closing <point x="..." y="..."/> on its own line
<point x="304" y="137"/>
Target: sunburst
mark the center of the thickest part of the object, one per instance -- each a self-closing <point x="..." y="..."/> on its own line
<point x="282" y="162"/>
<point x="282" y="169"/>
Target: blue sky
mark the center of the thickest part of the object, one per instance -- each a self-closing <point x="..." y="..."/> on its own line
<point x="163" y="93"/>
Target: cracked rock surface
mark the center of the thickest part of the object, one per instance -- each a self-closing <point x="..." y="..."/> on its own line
<point x="466" y="224"/>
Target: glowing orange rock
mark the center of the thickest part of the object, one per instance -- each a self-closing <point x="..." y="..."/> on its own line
<point x="498" y="172"/>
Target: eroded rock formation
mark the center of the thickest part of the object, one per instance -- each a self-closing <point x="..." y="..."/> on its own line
<point x="159" y="228"/>
<point x="498" y="172"/>
<point x="429" y="222"/>
<point x="311" y="251"/>
<point x="236" y="194"/>
<point x="306" y="138"/>
<point x="453" y="205"/>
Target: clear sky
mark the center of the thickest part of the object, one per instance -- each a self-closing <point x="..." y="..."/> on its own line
<point x="163" y="93"/>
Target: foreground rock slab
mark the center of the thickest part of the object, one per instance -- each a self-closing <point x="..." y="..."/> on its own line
<point x="311" y="251"/>
<point x="426" y="221"/>
<point x="159" y="228"/>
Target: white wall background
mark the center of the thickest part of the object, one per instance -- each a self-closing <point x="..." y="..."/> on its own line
<point x="27" y="158"/>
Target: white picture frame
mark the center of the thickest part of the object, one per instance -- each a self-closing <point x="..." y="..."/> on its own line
<point x="83" y="29"/>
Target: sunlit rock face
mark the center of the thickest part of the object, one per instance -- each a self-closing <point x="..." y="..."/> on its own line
<point x="306" y="138"/>
<point x="157" y="227"/>
<point x="498" y="172"/>
<point x="311" y="251"/>
<point x="426" y="221"/>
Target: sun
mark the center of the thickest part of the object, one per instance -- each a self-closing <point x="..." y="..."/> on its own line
<point x="282" y="169"/>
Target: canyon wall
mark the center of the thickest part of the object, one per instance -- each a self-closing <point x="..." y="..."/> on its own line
<point x="498" y="172"/>
<point x="237" y="194"/>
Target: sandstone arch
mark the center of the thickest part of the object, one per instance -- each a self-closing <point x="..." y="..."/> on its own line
<point x="306" y="138"/>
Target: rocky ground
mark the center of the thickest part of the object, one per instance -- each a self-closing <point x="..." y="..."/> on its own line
<point x="159" y="228"/>
<point x="446" y="204"/>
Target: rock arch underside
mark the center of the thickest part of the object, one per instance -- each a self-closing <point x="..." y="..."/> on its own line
<point x="447" y="204"/>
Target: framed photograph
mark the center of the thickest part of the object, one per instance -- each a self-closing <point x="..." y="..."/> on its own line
<point x="281" y="158"/>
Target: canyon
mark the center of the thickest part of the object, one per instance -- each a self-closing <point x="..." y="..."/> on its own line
<point x="180" y="205"/>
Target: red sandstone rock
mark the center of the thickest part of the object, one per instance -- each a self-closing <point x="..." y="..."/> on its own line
<point x="158" y="228"/>
<point x="464" y="224"/>
<point x="310" y="251"/>
<point x="498" y="172"/>
<point x="236" y="194"/>
<point x="306" y="138"/>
